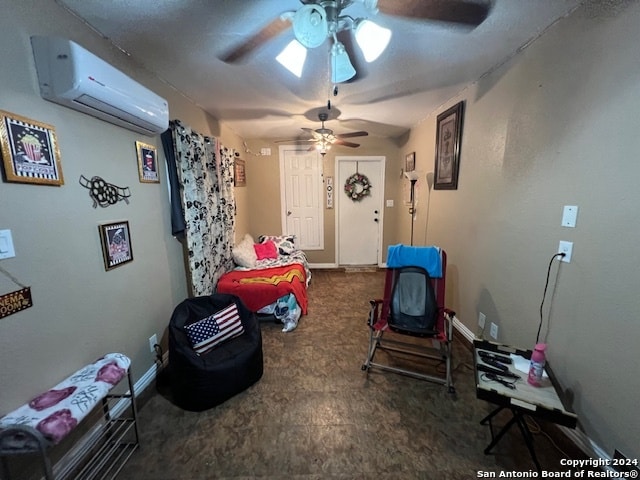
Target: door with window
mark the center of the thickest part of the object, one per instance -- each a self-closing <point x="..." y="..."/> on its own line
<point x="359" y="222"/>
<point x="301" y="196"/>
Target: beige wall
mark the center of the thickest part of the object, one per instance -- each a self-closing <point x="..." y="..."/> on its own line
<point x="263" y="183"/>
<point x="557" y="125"/>
<point x="80" y="311"/>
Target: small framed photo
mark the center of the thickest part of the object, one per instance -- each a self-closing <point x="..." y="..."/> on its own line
<point x="448" y="137"/>
<point x="29" y="151"/>
<point x="147" y="163"/>
<point x="239" y="173"/>
<point x="410" y="162"/>
<point x="116" y="244"/>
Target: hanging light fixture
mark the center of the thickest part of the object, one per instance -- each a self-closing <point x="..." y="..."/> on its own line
<point x="372" y="38"/>
<point x="318" y="20"/>
<point x="293" y="57"/>
<point x="341" y="68"/>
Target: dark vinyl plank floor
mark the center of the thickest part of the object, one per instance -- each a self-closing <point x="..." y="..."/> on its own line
<point x="316" y="415"/>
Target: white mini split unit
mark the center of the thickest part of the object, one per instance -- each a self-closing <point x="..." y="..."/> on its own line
<point x="71" y="76"/>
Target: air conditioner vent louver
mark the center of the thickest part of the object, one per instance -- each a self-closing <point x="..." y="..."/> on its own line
<point x="101" y="107"/>
<point x="68" y="75"/>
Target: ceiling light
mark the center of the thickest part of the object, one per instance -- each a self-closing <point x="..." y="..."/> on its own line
<point x="292" y="57"/>
<point x="372" y="38"/>
<point x="341" y="68"/>
<point x="310" y="25"/>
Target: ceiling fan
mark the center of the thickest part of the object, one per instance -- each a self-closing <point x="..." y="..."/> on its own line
<point x="323" y="138"/>
<point x="318" y="20"/>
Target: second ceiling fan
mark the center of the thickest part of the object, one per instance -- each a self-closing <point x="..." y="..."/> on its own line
<point x="323" y="138"/>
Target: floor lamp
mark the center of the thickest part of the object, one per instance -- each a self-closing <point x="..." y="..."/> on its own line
<point x="413" y="178"/>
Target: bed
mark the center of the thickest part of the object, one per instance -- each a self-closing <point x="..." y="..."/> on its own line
<point x="271" y="277"/>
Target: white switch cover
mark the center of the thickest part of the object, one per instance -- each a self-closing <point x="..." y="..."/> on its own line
<point x="389" y="203"/>
<point x="569" y="215"/>
<point x="6" y="245"/>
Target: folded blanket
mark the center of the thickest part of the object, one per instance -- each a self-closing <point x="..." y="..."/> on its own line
<point x="258" y="288"/>
<point x="408" y="256"/>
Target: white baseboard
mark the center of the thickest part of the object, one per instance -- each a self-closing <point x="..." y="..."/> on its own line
<point x="320" y="266"/>
<point x="147" y="378"/>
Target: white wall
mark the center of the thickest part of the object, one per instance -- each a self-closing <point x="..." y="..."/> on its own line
<point x="558" y="125"/>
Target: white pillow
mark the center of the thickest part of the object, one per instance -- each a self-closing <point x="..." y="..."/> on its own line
<point x="244" y="254"/>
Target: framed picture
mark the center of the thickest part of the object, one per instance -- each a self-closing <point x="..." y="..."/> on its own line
<point x="147" y="163"/>
<point x="448" y="137"/>
<point x="410" y="162"/>
<point x="116" y="244"/>
<point x="239" y="174"/>
<point x="29" y="151"/>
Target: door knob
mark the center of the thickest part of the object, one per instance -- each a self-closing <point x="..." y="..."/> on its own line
<point x="375" y="219"/>
<point x="288" y="213"/>
<point x="375" y="211"/>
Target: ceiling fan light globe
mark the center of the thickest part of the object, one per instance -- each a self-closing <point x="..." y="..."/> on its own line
<point x="371" y="38"/>
<point x="310" y="25"/>
<point x="341" y="67"/>
<point x="292" y="57"/>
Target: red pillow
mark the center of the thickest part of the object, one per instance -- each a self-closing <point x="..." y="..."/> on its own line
<point x="266" y="250"/>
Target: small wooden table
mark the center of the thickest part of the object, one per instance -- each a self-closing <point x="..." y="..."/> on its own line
<point x="541" y="402"/>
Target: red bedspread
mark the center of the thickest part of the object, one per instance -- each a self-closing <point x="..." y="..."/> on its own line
<point x="259" y="288"/>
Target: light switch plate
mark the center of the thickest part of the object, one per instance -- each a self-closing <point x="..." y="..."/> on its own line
<point x="6" y="245"/>
<point x="569" y="216"/>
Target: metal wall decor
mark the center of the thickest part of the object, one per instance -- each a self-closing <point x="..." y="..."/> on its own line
<point x="103" y="193"/>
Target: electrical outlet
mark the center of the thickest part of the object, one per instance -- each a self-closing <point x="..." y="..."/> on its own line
<point x="494" y="331"/>
<point x="153" y="340"/>
<point x="566" y="248"/>
<point x="481" y="318"/>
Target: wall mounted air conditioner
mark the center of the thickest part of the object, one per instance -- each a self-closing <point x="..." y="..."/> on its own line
<point x="71" y="76"/>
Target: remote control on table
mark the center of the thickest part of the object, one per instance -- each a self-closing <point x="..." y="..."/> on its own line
<point x="488" y="369"/>
<point x="494" y="356"/>
<point x="495" y="364"/>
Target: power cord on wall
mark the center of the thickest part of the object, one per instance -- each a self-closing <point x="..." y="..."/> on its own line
<point x="544" y="294"/>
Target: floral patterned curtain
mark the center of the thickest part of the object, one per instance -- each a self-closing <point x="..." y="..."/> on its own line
<point x="205" y="176"/>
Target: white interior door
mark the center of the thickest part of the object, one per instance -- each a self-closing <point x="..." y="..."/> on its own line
<point x="301" y="191"/>
<point x="359" y="226"/>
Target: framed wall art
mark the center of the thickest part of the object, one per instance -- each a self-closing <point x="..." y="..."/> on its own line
<point x="116" y="244"/>
<point x="239" y="173"/>
<point x="29" y="151"/>
<point x="448" y="137"/>
<point x="147" y="163"/>
<point x="410" y="162"/>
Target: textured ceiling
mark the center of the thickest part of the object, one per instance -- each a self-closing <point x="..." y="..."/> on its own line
<point x="425" y="65"/>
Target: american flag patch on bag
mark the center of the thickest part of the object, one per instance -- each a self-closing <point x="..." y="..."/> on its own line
<point x="211" y="331"/>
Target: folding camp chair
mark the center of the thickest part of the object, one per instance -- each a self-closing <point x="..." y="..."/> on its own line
<point x="413" y="306"/>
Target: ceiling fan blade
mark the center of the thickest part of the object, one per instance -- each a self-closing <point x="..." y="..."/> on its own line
<point x="296" y="140"/>
<point x="272" y="30"/>
<point x="346" y="144"/>
<point x="361" y="133"/>
<point x="452" y="11"/>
